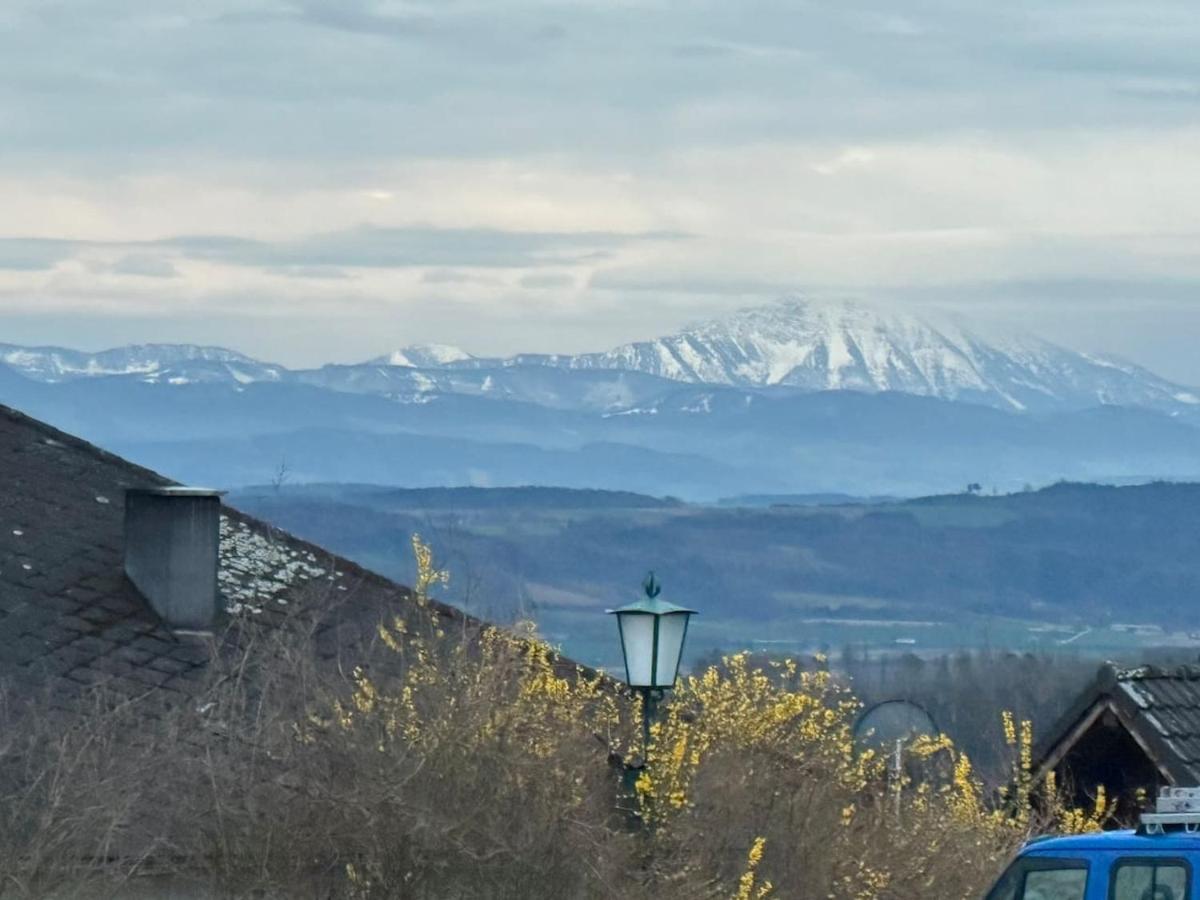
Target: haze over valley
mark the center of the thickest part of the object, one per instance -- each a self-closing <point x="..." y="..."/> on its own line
<point x="795" y="397"/>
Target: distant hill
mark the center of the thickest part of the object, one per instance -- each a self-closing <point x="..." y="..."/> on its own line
<point x="1073" y="565"/>
<point x="316" y="454"/>
<point x="693" y="441"/>
<point x="462" y="498"/>
<point x="803" y="500"/>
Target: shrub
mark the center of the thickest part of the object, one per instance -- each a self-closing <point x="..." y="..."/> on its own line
<point x="753" y="784"/>
<point x="482" y="764"/>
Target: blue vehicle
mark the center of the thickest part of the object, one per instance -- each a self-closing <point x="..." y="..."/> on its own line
<point x="1158" y="861"/>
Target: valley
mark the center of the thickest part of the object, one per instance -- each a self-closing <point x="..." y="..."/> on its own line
<point x="1073" y="569"/>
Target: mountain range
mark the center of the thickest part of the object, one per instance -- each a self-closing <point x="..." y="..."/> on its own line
<point x="793" y="397"/>
<point x="852" y="346"/>
<point x="797" y="344"/>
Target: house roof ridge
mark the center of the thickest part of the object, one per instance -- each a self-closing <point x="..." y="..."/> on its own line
<point x="1179" y="672"/>
<point x="73" y="440"/>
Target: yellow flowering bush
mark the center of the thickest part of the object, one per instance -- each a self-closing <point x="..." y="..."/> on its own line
<point x="469" y="756"/>
<point x="802" y="716"/>
<point x="752" y="786"/>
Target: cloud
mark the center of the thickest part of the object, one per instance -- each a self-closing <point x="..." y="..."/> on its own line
<point x="640" y="280"/>
<point x="1180" y="89"/>
<point x="448" y="276"/>
<point x="146" y="265"/>
<point x="1074" y="294"/>
<point x="393" y="247"/>
<point x="317" y="273"/>
<point x="325" y="255"/>
<point x="33" y="254"/>
<point x="263" y="80"/>
<point x="850" y="158"/>
<point x="362" y="18"/>
<point x="594" y="168"/>
<point x="547" y="280"/>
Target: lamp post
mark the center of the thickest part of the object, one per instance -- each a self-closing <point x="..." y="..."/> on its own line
<point x="652" y="634"/>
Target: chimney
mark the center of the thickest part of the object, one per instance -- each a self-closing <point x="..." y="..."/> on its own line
<point x="172" y="538"/>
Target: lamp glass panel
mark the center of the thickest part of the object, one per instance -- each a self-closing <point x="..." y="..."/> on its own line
<point x="670" y="647"/>
<point x="637" y="638"/>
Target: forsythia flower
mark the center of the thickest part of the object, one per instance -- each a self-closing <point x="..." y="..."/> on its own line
<point x="772" y="735"/>
<point x="746" y="884"/>
<point x="1010" y="730"/>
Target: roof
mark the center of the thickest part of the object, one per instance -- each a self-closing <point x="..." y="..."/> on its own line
<point x="1159" y="706"/>
<point x="70" y="619"/>
<point x="1114" y="840"/>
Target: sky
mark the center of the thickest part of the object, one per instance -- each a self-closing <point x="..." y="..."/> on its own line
<point x="325" y="180"/>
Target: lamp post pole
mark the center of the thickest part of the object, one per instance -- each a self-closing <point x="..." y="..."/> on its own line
<point x="649" y="704"/>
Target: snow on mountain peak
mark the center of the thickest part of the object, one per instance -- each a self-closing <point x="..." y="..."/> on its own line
<point x="422" y="356"/>
<point x="819" y="345"/>
<point x="53" y="364"/>
<point x="851" y="345"/>
<point x="799" y="343"/>
<point x="824" y="345"/>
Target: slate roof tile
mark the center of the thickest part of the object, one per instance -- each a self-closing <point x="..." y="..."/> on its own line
<point x="1169" y="705"/>
<point x="1160" y="705"/>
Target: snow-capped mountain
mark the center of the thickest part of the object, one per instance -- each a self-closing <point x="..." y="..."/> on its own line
<point x="793" y="346"/>
<point x="796" y="397"/>
<point x="598" y="390"/>
<point x="167" y="363"/>
<point x="851" y="346"/>
<point x="422" y="356"/>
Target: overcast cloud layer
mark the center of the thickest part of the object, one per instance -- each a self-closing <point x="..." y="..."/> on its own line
<point x="326" y="179"/>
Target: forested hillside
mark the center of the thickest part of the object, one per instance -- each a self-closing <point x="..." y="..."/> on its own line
<point x="1083" y="567"/>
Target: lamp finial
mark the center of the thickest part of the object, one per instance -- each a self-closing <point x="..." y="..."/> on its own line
<point x="651" y="585"/>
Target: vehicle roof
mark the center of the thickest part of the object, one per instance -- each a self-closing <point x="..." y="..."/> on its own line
<point x="1177" y="842"/>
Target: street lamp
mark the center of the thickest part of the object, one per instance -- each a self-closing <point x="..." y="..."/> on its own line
<point x="652" y="633"/>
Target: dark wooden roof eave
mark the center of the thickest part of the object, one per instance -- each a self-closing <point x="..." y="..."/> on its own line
<point x="1106" y="693"/>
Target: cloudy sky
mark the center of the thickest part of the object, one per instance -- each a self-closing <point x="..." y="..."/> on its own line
<point x="315" y="180"/>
